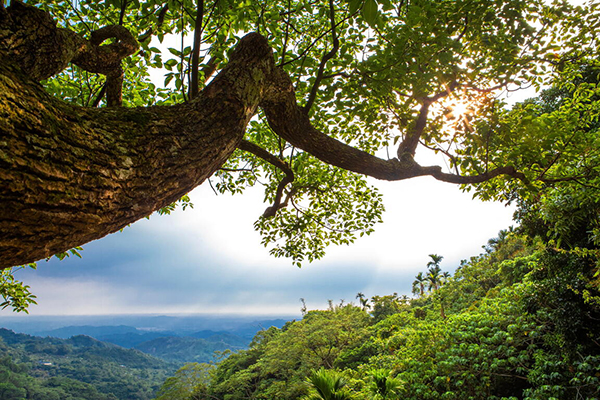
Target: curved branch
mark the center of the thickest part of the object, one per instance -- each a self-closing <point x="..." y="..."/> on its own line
<point x="107" y="59"/>
<point x="69" y="175"/>
<point x="44" y="55"/>
<point x="276" y="162"/>
<point x="101" y="59"/>
<point x="290" y="122"/>
<point x="409" y="145"/>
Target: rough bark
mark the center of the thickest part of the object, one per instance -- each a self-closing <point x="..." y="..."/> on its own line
<point x="69" y="175"/>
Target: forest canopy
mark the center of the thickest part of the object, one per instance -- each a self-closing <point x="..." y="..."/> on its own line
<point x="306" y="98"/>
<point x="520" y="321"/>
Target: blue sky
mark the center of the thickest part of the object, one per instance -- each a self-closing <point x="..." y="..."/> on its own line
<point x="210" y="260"/>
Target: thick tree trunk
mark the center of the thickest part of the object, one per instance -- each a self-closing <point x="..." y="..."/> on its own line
<point x="69" y="175"/>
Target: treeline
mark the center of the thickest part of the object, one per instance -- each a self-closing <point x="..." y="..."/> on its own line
<point x="520" y="321"/>
<point x="79" y="368"/>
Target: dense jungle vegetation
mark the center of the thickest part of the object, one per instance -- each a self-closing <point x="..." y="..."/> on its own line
<point x="520" y="321"/>
<point x="79" y="368"/>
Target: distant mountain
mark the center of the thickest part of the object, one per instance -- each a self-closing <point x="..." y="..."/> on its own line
<point x="189" y="349"/>
<point x="81" y="362"/>
<point x="200" y="346"/>
<point x="177" y="325"/>
<point x="248" y="330"/>
<point x="206" y="334"/>
<point x="177" y="345"/>
<point x="131" y="340"/>
<point x="122" y="335"/>
<point x="88" y="330"/>
<point x="222" y="336"/>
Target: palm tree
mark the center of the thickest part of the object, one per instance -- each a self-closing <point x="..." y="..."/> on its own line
<point x="445" y="276"/>
<point x="383" y="386"/>
<point x="327" y="385"/>
<point x="436" y="278"/>
<point x="364" y="302"/>
<point x="419" y="284"/>
<point x="435" y="260"/>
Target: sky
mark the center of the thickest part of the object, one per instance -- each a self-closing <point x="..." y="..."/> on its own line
<point x="209" y="260"/>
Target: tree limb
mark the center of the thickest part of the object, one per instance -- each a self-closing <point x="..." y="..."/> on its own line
<point x="69" y="174"/>
<point x="409" y="145"/>
<point x="122" y="12"/>
<point x="289" y="121"/>
<point x="194" y="84"/>
<point x="276" y="162"/>
<point x="328" y="56"/>
<point x="159" y="21"/>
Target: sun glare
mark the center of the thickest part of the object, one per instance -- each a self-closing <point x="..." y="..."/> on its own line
<point x="458" y="110"/>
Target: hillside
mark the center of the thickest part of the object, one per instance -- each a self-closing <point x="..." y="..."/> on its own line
<point x="189" y="349"/>
<point x="520" y="321"/>
<point x="77" y="368"/>
<point x="177" y="346"/>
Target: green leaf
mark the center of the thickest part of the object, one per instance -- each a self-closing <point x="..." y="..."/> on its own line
<point x="370" y="12"/>
<point x="354" y="5"/>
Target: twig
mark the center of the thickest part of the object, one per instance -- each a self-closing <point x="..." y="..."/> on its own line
<point x="159" y="21"/>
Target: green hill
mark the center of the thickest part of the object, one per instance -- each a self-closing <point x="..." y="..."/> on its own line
<point x="77" y="368"/>
<point x="189" y="349"/>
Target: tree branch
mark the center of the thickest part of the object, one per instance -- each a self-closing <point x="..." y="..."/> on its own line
<point x="328" y="56"/>
<point x="409" y="145"/>
<point x="122" y="12"/>
<point x="289" y="121"/>
<point x="194" y="84"/>
<point x="107" y="59"/>
<point x="159" y="21"/>
<point x="276" y="162"/>
<point x="108" y="168"/>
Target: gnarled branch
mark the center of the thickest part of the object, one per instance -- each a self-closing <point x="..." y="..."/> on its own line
<point x="69" y="175"/>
